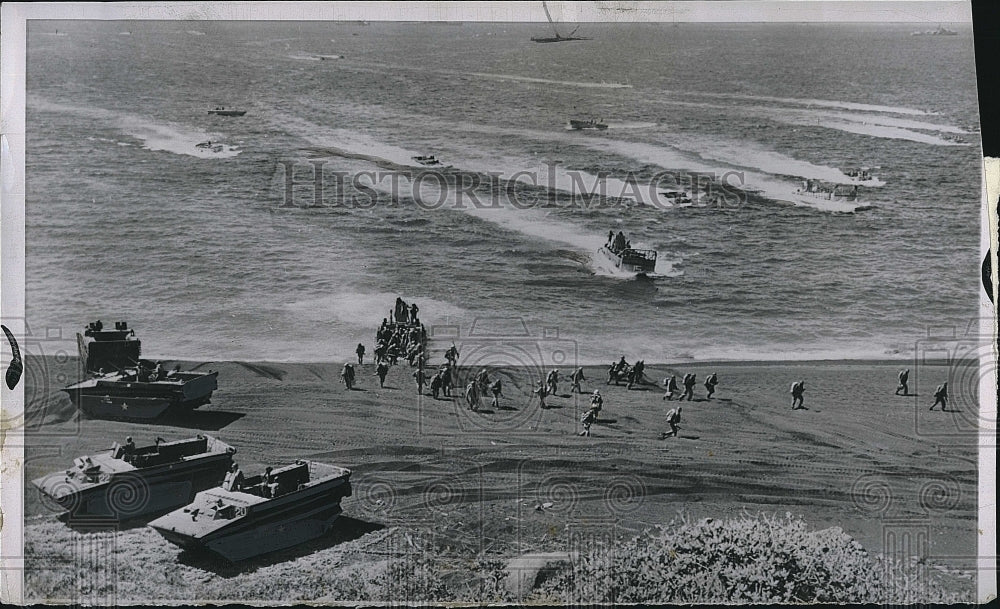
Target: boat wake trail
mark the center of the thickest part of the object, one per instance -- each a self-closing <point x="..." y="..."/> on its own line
<point x="821" y="103"/>
<point x="155" y="136"/>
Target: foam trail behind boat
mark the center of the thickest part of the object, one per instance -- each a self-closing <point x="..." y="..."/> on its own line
<point x="532" y="222"/>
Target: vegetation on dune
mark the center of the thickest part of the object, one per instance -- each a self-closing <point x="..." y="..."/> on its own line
<point x="747" y="559"/>
<point x="750" y="559"/>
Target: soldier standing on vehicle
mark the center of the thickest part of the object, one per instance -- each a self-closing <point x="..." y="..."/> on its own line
<point x="941" y="397"/>
<point x="904" y="382"/>
<point x="710" y="383"/>
<point x="798" y="388"/>
<point x="577" y="377"/>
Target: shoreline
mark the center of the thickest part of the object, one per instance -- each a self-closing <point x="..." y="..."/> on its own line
<point x="673" y="364"/>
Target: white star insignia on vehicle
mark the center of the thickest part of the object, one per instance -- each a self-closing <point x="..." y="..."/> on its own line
<point x="124" y="406"/>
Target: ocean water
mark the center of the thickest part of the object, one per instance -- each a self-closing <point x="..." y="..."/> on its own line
<point x="203" y="254"/>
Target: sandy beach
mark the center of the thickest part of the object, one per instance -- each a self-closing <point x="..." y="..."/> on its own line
<point x="499" y="483"/>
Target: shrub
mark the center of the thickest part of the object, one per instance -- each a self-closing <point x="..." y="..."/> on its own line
<point x="751" y="559"/>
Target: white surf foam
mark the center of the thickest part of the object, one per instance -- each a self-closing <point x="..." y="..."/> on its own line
<point x="547" y="81"/>
<point x="368" y="308"/>
<point x="824" y="103"/>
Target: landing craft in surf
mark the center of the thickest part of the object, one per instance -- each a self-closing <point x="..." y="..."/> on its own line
<point x="578" y="124"/>
<point x="429" y="160"/>
<point x="558" y="37"/>
<point x="222" y="111"/>
<point x="623" y="257"/>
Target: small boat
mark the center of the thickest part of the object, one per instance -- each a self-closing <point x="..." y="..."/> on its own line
<point x="210" y="146"/>
<point x="619" y="251"/>
<point x="123" y="386"/>
<point x="818" y="189"/>
<point x="127" y="482"/>
<point x="221" y="111"/>
<point x="246" y="517"/>
<point x="587" y="124"/>
<point x="429" y="161"/>
<point x="329" y="57"/>
<point x="861" y="175"/>
<point x="678" y="198"/>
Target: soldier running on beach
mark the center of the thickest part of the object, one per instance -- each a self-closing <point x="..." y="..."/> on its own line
<point x="798" y="388"/>
<point x="447" y="380"/>
<point x="612" y="373"/>
<point x="941" y="397"/>
<point x="588" y="419"/>
<point x="497" y="389"/>
<point x="635" y="375"/>
<point x="542" y="391"/>
<point x="361" y="353"/>
<point x="347" y="376"/>
<point x="577" y="377"/>
<point x="904" y="382"/>
<point x="472" y="395"/>
<point x="419" y="378"/>
<point x="551" y="380"/>
<point x="596" y="403"/>
<point x="436" y="384"/>
<point x="482" y="381"/>
<point x="381" y="370"/>
<point x="671" y="386"/>
<point x="451" y="355"/>
<point x="673" y="418"/>
<point x="710" y="384"/>
<point x="689" y="383"/>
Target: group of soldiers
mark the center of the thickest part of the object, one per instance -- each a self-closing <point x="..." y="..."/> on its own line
<point x="689" y="381"/>
<point x="940" y="392"/>
<point x="401" y="335"/>
<point x="405" y="334"/>
<point x="903" y="388"/>
<point x="622" y="371"/>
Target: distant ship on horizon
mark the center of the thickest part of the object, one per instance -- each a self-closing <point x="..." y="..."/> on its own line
<point x="940" y="31"/>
